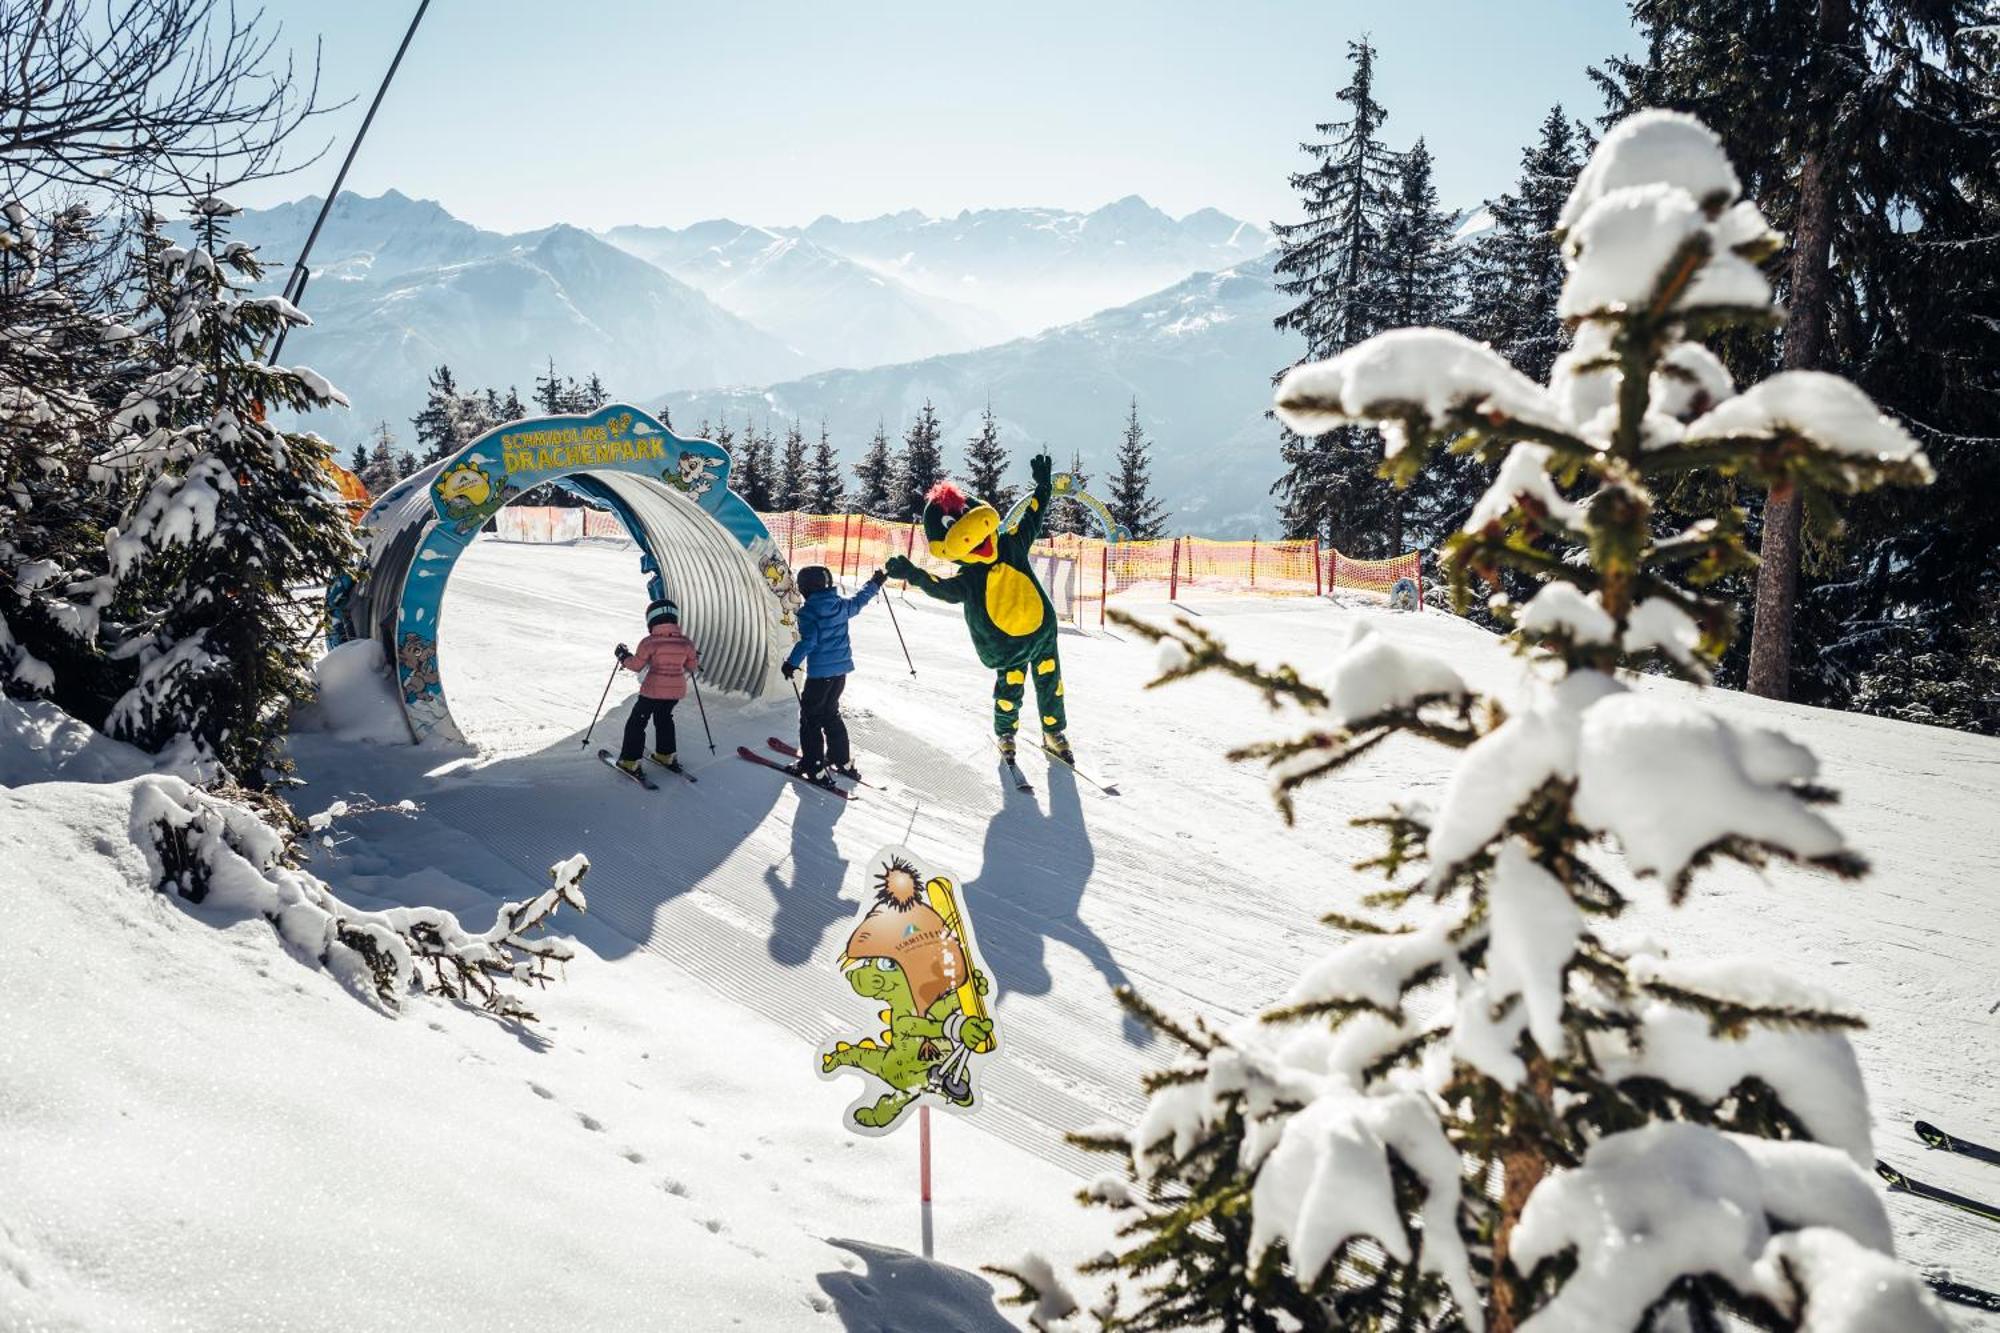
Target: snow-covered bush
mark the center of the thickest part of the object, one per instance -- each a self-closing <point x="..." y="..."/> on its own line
<point x="233" y="522"/>
<point x="223" y="856"/>
<point x="1495" y="1116"/>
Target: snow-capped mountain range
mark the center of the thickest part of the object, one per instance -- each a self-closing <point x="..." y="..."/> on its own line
<point x="1197" y="356"/>
<point x="1060" y="318"/>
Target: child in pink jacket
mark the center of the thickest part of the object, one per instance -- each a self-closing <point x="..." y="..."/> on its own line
<point x="664" y="661"/>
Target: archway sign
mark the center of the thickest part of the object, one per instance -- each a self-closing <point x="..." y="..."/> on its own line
<point x="699" y="544"/>
<point x="1063" y="486"/>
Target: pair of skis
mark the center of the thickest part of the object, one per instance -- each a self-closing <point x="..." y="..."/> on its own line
<point x="786" y="748"/>
<point x="639" y="775"/>
<point x="1022" y="784"/>
<point x="1898" y="1183"/>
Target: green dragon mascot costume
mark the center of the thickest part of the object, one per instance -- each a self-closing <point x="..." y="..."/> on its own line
<point x="1013" y="623"/>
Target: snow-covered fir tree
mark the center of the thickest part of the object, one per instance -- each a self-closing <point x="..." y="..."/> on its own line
<point x="379" y="470"/>
<point x="233" y="517"/>
<point x="1502" y="1113"/>
<point x="985" y="471"/>
<point x="825" y="493"/>
<point x="450" y="419"/>
<point x="1329" y="262"/>
<point x="920" y="465"/>
<point x="1131" y="500"/>
<point x="59" y="356"/>
<point x="789" y="493"/>
<point x="876" y="473"/>
<point x="552" y="393"/>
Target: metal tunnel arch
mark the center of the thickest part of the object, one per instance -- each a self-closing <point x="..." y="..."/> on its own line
<point x="699" y="543"/>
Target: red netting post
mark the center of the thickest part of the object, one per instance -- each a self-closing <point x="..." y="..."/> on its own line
<point x="1418" y="570"/>
<point x="1333" y="569"/>
<point x="1103" y="580"/>
<point x="1319" y="588"/>
<point x="845" y="519"/>
<point x="791" y="531"/>
<point x="1253" y="562"/>
<point x="1174" y="572"/>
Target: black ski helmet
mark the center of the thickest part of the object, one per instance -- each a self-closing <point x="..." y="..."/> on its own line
<point x="664" y="609"/>
<point x="814" y="578"/>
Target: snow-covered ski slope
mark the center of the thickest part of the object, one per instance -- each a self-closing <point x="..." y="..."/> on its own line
<point x="661" y="1153"/>
<point x="1185" y="885"/>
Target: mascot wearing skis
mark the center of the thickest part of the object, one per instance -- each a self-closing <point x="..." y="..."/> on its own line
<point x="1012" y="621"/>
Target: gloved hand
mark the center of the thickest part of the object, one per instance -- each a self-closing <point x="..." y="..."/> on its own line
<point x="621" y="652"/>
<point x="788" y="670"/>
<point x="1042" y="467"/>
<point x="899" y="567"/>
<point x="878" y="578"/>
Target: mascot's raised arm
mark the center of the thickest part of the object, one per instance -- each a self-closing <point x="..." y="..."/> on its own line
<point x="1012" y="621"/>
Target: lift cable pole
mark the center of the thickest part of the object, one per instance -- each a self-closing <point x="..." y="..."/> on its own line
<point x="295" y="282"/>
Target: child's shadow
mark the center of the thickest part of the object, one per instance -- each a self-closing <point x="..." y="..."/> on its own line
<point x="811" y="902"/>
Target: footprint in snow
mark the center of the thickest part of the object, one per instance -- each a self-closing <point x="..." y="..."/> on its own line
<point x="673" y="1187"/>
<point x="590" y="1122"/>
<point x="714" y="1225"/>
<point x="541" y="1092"/>
<point x="634" y="1156"/>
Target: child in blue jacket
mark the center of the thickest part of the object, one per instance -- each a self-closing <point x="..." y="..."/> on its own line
<point x="828" y="657"/>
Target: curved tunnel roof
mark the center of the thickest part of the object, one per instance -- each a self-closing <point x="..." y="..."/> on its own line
<point x="699" y="542"/>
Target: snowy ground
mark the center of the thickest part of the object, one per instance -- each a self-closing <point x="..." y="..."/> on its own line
<point x="659" y="1152"/>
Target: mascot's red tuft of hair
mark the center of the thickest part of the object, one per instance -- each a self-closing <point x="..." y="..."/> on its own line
<point x="947" y="497"/>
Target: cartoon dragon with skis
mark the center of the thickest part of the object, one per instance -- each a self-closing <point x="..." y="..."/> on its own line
<point x="912" y="951"/>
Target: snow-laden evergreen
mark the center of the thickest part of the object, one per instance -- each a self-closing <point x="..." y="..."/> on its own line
<point x="1500" y="1115"/>
<point x="233" y="521"/>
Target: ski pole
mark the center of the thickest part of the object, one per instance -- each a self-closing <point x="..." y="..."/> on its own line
<point x="600" y="702"/>
<point x="899" y="635"/>
<point x="703" y="708"/>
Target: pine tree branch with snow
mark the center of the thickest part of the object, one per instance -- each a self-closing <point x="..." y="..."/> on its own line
<point x="1498" y="1115"/>
<point x="223" y="856"/>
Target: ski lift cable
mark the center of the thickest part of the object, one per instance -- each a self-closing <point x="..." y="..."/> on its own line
<point x="295" y="281"/>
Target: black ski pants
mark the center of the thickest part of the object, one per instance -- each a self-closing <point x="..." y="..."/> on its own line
<point x="822" y="734"/>
<point x="661" y="711"/>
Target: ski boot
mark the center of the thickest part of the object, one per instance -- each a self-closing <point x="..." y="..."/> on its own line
<point x="1007" y="749"/>
<point x="1058" y="745"/>
<point x="815" y="775"/>
<point x="847" y="770"/>
<point x="629" y="766"/>
<point x="670" y="762"/>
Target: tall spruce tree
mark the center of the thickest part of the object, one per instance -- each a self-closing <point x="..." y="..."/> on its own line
<point x="789" y="494"/>
<point x="985" y="473"/>
<point x="442" y="426"/>
<point x="234" y="516"/>
<point x="1515" y="272"/>
<point x="876" y="473"/>
<point x="1505" y="1114"/>
<point x="378" y="474"/>
<point x="825" y="494"/>
<point x="1131" y="500"/>
<point x="551" y="392"/>
<point x="1330" y="264"/>
<point x="1420" y="272"/>
<point x="920" y="465"/>
<point x="1069" y="517"/>
<point x="1868" y="128"/>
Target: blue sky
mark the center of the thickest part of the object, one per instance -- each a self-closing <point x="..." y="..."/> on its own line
<point x="519" y="113"/>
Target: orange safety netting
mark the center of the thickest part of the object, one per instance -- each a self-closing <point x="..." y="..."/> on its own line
<point x="855" y="545"/>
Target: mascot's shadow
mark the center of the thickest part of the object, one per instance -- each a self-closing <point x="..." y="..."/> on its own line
<point x="900" y="1291"/>
<point x="1033" y="874"/>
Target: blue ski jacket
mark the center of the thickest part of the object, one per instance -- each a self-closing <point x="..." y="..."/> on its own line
<point x="823" y="644"/>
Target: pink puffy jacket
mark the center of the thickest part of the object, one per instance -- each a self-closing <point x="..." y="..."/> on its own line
<point x="663" y="659"/>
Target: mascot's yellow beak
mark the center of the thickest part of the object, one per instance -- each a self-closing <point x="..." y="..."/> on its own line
<point x="970" y="540"/>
